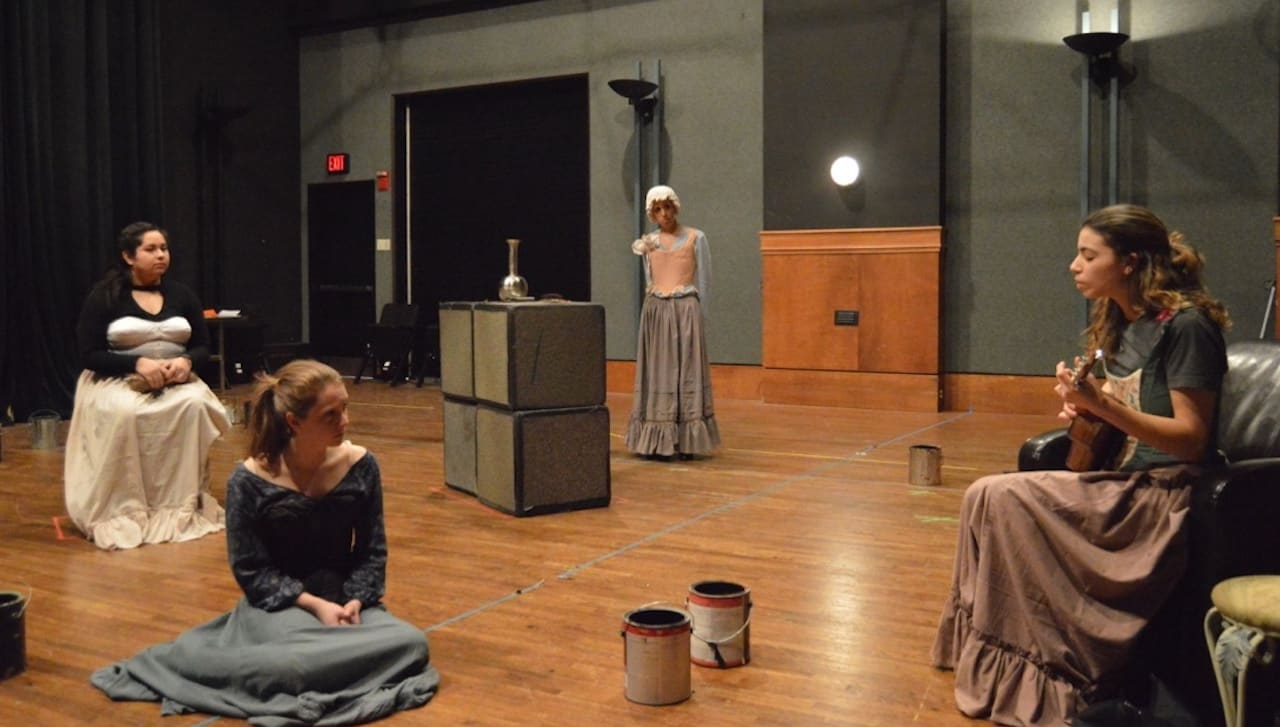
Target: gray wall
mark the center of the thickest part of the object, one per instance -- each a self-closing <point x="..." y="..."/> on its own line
<point x="863" y="79"/>
<point x="1198" y="142"/>
<point x="711" y="61"/>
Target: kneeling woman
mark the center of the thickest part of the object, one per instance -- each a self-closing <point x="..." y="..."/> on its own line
<point x="310" y="640"/>
<point x="1057" y="572"/>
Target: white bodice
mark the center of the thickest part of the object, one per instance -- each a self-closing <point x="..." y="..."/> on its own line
<point x="154" y="339"/>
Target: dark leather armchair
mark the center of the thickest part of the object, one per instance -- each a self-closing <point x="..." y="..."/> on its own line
<point x="1234" y="526"/>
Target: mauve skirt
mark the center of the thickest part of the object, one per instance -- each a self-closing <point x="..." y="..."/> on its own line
<point x="1056" y="573"/>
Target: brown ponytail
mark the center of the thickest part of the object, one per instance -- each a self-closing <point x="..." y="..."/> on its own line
<point x="292" y="390"/>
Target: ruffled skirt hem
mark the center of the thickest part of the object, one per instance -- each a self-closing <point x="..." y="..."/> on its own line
<point x="670" y="438"/>
<point x="136" y="465"/>
<point x="995" y="681"/>
<point x="200" y="517"/>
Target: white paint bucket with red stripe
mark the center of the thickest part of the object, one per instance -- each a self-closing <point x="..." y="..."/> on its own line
<point x="721" y="613"/>
<point x="656" y="654"/>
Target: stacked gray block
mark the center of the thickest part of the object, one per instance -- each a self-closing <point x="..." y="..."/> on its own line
<point x="542" y="460"/>
<point x="541" y="427"/>
<point x="539" y="355"/>
<point x="457" y="383"/>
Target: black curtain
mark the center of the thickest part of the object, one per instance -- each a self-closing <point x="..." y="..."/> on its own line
<point x="493" y="162"/>
<point x="80" y="157"/>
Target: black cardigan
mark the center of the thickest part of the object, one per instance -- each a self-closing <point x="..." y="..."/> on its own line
<point x="98" y="313"/>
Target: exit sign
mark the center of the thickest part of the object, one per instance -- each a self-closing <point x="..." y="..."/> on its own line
<point x="337" y="163"/>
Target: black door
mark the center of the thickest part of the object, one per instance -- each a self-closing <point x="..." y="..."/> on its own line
<point x="487" y="163"/>
<point x="340" y="249"/>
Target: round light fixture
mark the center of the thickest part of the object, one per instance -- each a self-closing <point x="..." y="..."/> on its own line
<point x="845" y="171"/>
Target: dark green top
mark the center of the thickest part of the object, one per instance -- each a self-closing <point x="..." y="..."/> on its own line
<point x="1173" y="350"/>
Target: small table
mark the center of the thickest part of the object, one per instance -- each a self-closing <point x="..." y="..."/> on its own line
<point x="219" y="327"/>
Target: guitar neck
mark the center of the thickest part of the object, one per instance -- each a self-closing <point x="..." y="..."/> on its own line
<point x="1086" y="366"/>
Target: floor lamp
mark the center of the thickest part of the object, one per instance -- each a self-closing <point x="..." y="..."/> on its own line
<point x="1101" y="49"/>
<point x="646" y="101"/>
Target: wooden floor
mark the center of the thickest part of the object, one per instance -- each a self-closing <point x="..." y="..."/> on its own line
<point x="809" y="507"/>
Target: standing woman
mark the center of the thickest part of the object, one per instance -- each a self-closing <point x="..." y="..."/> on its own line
<point x="137" y="450"/>
<point x="310" y="641"/>
<point x="672" y="411"/>
<point x="1056" y="573"/>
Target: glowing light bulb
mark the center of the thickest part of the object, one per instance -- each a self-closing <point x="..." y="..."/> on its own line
<point x="845" y="171"/>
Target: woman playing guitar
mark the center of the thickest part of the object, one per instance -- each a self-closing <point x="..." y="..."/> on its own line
<point x="1057" y="572"/>
<point x="1142" y="279"/>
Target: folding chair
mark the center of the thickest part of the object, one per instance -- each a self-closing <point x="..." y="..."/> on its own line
<point x="389" y="343"/>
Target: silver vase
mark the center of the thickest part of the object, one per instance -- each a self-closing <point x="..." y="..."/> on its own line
<point x="513" y="287"/>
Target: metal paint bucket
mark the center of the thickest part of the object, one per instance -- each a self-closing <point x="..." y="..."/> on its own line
<point x="13" y="640"/>
<point x="44" y="429"/>
<point x="721" y="613"/>
<point x="232" y="412"/>
<point x="656" y="654"/>
<point x="925" y="464"/>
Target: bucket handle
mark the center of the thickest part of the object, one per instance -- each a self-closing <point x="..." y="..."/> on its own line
<point x="730" y="637"/>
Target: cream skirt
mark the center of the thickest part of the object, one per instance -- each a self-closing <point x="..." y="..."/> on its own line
<point x="137" y="464"/>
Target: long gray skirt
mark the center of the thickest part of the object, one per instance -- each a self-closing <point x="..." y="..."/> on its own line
<point x="1056" y="574"/>
<point x="278" y="668"/>
<point x="672" y="410"/>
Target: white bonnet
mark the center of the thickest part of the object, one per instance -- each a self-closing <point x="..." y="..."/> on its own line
<point x="659" y="193"/>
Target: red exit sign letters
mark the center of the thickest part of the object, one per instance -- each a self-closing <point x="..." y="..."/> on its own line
<point x="337" y="163"/>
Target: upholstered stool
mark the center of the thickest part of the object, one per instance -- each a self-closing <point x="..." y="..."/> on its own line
<point x="1241" y="627"/>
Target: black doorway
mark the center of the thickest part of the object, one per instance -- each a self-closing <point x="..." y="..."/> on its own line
<point x="340" y="246"/>
<point x="487" y="163"/>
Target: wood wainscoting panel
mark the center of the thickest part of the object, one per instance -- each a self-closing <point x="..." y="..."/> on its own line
<point x="801" y="294"/>
<point x="889" y="276"/>
<point x="815" y="281"/>
<point x="731" y="381"/>
<point x="901" y="312"/>
<point x="1000" y="394"/>
<point x="988" y="393"/>
<point x="853" y="389"/>
<point x="728" y="381"/>
<point x="619" y="376"/>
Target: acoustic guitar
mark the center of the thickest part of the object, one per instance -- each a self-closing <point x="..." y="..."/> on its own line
<point x="1094" y="442"/>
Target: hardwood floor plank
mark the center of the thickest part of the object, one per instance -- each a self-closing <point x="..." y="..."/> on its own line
<point x="809" y="507"/>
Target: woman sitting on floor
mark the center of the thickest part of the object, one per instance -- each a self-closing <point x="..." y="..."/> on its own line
<point x="310" y="641"/>
<point x="137" y="450"/>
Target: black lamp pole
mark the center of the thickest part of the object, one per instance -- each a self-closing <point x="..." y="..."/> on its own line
<point x="645" y="98"/>
<point x="1103" y="67"/>
<point x="1102" y="50"/>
